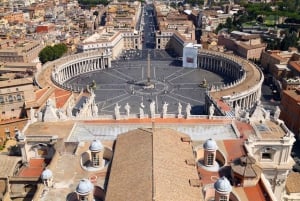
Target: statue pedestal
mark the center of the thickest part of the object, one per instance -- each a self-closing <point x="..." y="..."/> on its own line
<point x="141" y="116"/>
<point x="187" y="116"/>
<point x="179" y="116"/>
<point x="117" y="117"/>
<point x="164" y="116"/>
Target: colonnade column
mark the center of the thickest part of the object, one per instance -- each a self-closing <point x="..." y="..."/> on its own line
<point x="109" y="62"/>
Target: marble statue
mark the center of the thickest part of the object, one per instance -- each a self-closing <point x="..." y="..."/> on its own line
<point x="95" y="110"/>
<point x="188" y="109"/>
<point x="237" y="109"/>
<point x="211" y="110"/>
<point x="179" y="109"/>
<point x="60" y="114"/>
<point x="49" y="103"/>
<point x="49" y="114"/>
<point x="127" y="109"/>
<point x="69" y="110"/>
<point x="117" y="111"/>
<point x="165" y="108"/>
<point x="152" y="109"/>
<point x="277" y="113"/>
<point x="32" y="115"/>
<point x="142" y="106"/>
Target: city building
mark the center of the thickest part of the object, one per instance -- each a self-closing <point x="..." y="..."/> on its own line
<point x="13" y="95"/>
<point x="109" y="38"/>
<point x="21" y="51"/>
<point x="12" y="70"/>
<point x="275" y="62"/>
<point x="290" y="107"/>
<point x="246" y="45"/>
<point x="174" y="28"/>
<point x="14" y="17"/>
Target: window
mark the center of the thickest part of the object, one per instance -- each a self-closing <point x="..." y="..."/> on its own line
<point x="95" y="160"/>
<point x="210" y="159"/>
<point x="19" y="97"/>
<point x="223" y="198"/>
<point x="1" y="99"/>
<point x="83" y="198"/>
<point x="10" y="98"/>
<point x="266" y="155"/>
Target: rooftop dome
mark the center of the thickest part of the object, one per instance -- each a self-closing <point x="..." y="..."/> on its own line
<point x="223" y="185"/>
<point x="46" y="174"/>
<point x="210" y="144"/>
<point x="96" y="145"/>
<point x="84" y="187"/>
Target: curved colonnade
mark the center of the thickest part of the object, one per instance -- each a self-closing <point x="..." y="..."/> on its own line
<point x="74" y="65"/>
<point x="245" y="89"/>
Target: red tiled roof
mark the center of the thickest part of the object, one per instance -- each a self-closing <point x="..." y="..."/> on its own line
<point x="255" y="193"/>
<point x="31" y="172"/>
<point x="234" y="149"/>
<point x="223" y="106"/>
<point x="35" y="168"/>
<point x="39" y="93"/>
<point x="207" y="177"/>
<point x="61" y="97"/>
<point x="244" y="128"/>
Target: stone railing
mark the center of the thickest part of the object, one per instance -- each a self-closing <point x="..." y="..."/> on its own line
<point x="147" y="116"/>
<point x="57" y="65"/>
<point x="249" y="83"/>
<point x="235" y="62"/>
<point x="71" y="61"/>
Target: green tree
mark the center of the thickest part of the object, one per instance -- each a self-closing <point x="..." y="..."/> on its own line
<point x="228" y="25"/>
<point x="93" y="2"/>
<point x="290" y="40"/>
<point x="50" y="53"/>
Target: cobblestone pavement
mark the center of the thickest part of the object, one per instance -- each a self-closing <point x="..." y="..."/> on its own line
<point x="127" y="82"/>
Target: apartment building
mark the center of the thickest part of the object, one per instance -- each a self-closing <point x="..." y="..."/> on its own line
<point x="21" y="51"/>
<point x="13" y="95"/>
<point x="174" y="28"/>
<point x="13" y="17"/>
<point x="275" y="62"/>
<point x="246" y="45"/>
<point x="290" y="107"/>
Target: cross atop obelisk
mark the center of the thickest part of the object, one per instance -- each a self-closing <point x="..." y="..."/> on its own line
<point x="148" y="69"/>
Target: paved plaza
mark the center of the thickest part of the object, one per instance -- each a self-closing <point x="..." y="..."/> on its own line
<point x="127" y="82"/>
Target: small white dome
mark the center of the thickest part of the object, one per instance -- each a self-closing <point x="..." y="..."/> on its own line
<point x="223" y="185"/>
<point x="46" y="174"/>
<point x="210" y="144"/>
<point x="96" y="145"/>
<point x="84" y="187"/>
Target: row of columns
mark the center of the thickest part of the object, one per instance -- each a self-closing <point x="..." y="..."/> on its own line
<point x="246" y="102"/>
<point x="232" y="69"/>
<point x="226" y="67"/>
<point x="88" y="65"/>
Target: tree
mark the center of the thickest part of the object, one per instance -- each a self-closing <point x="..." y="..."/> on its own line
<point x="290" y="40"/>
<point x="50" y="53"/>
<point x="228" y="25"/>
